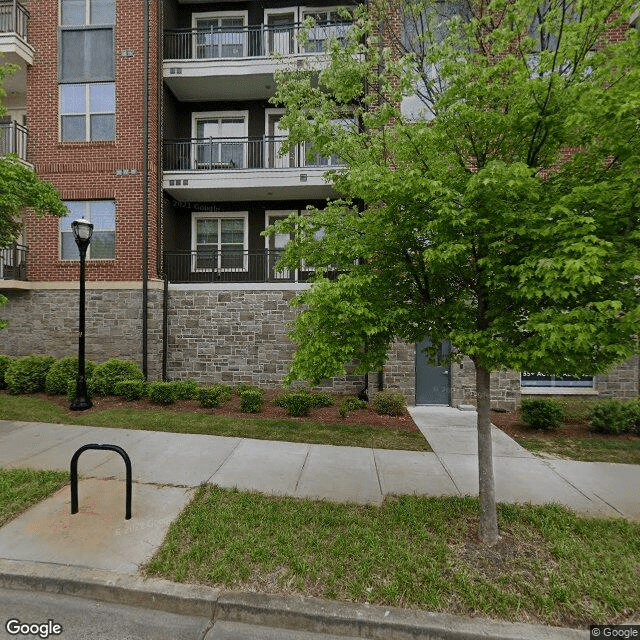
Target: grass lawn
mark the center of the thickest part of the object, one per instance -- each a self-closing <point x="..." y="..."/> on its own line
<point x="40" y="408"/>
<point x="550" y="567"/>
<point x="22" y="488"/>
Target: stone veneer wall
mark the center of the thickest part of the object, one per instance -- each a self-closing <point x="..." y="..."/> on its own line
<point x="45" y="321"/>
<point x="225" y="335"/>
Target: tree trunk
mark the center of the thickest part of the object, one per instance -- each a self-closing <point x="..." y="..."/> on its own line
<point x="488" y="530"/>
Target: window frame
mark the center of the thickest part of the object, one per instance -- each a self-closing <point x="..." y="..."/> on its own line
<point x="219" y="215"/>
<point x="556" y="382"/>
<point x="198" y="116"/>
<point x="86" y="78"/>
<point x="87" y="215"/>
<point x="87" y="15"/>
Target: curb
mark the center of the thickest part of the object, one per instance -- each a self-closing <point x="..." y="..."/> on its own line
<point x="295" y="612"/>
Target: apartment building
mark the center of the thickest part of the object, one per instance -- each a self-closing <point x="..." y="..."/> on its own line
<point x="153" y="121"/>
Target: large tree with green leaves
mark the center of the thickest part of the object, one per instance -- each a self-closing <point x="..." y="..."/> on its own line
<point x="21" y="189"/>
<point x="503" y="217"/>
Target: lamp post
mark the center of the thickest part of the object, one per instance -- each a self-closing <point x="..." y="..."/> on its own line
<point x="82" y="230"/>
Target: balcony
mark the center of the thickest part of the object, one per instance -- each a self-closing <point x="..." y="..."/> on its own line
<point x="14" y="24"/>
<point x="243" y="168"/>
<point x="13" y="139"/>
<point x="190" y="267"/>
<point x="13" y="264"/>
<point x="225" y="63"/>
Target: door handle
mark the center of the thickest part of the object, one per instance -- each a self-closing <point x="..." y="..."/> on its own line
<point x="445" y="373"/>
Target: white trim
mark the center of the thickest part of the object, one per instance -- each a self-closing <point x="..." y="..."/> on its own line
<point x="203" y="115"/>
<point x="295" y="26"/>
<point x="241" y="286"/>
<point x="215" y="215"/>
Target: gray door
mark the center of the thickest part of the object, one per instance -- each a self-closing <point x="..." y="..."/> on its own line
<point x="433" y="382"/>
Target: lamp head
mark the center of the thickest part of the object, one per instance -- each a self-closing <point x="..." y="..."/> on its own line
<point x="82" y="231"/>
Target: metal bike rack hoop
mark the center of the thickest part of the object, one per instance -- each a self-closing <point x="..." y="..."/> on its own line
<point x="74" y="474"/>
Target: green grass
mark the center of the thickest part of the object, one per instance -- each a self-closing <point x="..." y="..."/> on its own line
<point x="39" y="409"/>
<point x="22" y="488"/>
<point x="551" y="566"/>
<point x="585" y="449"/>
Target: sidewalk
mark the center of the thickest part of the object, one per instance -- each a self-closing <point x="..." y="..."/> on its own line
<point x="168" y="467"/>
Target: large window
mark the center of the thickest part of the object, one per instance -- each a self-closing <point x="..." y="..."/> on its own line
<point x="328" y="25"/>
<point x="87" y="70"/>
<point x="87" y="112"/>
<point x="219" y="241"/>
<point x="102" y="213"/>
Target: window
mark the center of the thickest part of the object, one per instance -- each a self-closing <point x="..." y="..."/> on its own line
<point x="219" y="241"/>
<point x="542" y="380"/>
<point x="328" y="25"/>
<point x="87" y="112"/>
<point x="87" y="12"/>
<point x="86" y="55"/>
<point x="220" y="35"/>
<point x="102" y="213"/>
<point x="221" y="140"/>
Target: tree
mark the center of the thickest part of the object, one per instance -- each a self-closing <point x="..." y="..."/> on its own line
<point x="505" y="218"/>
<point x="21" y="189"/>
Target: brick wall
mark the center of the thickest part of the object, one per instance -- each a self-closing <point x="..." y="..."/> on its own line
<point x="85" y="171"/>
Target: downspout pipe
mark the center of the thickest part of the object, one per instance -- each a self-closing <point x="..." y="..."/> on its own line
<point x="145" y="195"/>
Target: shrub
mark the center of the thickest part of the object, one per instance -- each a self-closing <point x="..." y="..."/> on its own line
<point x="28" y="374"/>
<point x="542" y="413"/>
<point x="163" y="392"/>
<point x="251" y="400"/>
<point x="389" y="403"/>
<point x="351" y="403"/>
<point x="130" y="389"/>
<point x="632" y="409"/>
<point x="297" y="403"/>
<point x="214" y="396"/>
<point x="5" y="361"/>
<point x="322" y="399"/>
<point x="62" y="371"/>
<point x="244" y="386"/>
<point x="104" y="377"/>
<point x="186" y="389"/>
<point x="609" y="416"/>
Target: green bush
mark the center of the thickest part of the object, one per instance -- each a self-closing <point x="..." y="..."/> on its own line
<point x="213" y="396"/>
<point x="632" y="410"/>
<point x="251" y="400"/>
<point x="28" y="374"/>
<point x="389" y="403"/>
<point x="186" y="389"/>
<point x="104" y="377"/>
<point x="322" y="399"/>
<point x="130" y="389"/>
<point x="62" y="371"/>
<point x="351" y="403"/>
<point x="297" y="403"/>
<point x="5" y="361"/>
<point x="244" y="386"/>
<point x="609" y="416"/>
<point x="163" y="392"/>
<point x="542" y="413"/>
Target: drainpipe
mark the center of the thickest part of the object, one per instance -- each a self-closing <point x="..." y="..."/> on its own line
<point x="145" y="194"/>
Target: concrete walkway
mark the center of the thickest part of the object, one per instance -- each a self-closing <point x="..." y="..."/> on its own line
<point x="168" y="467"/>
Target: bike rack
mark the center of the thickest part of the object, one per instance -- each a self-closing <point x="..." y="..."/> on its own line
<point x="74" y="474"/>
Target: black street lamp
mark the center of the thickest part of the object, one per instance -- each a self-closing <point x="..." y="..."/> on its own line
<point x="82" y="230"/>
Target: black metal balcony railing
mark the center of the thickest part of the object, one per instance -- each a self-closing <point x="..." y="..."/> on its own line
<point x="249" y="42"/>
<point x="210" y="154"/>
<point x="13" y="139"/>
<point x="229" y="266"/>
<point x="14" y="18"/>
<point x="13" y="262"/>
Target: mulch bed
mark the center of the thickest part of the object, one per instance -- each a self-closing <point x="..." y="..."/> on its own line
<point x="326" y="415"/>
<point x="511" y="423"/>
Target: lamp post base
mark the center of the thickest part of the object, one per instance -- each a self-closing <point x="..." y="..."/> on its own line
<point x="81" y="401"/>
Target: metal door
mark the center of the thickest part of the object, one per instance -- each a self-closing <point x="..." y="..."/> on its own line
<point x="433" y="381"/>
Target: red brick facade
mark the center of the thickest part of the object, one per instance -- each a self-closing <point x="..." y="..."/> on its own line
<point x="86" y="171"/>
